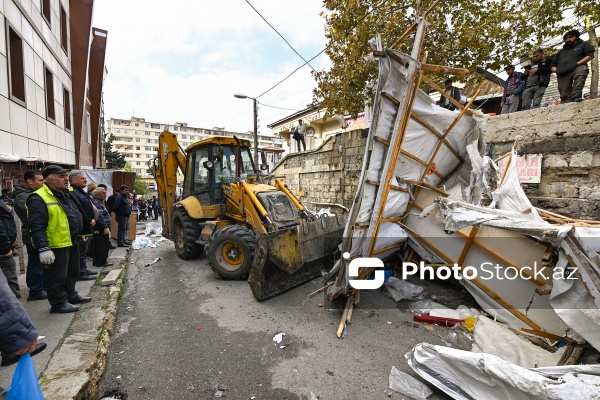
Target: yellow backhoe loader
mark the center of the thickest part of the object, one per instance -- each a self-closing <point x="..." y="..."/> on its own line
<point x="247" y="229"/>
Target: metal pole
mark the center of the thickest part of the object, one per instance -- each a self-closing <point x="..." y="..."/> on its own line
<point x="255" y="135"/>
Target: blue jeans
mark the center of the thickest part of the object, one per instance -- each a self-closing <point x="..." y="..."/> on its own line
<point x="123" y="228"/>
<point x="35" y="271"/>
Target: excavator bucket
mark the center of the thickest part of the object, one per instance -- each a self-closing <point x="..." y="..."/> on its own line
<point x="292" y="256"/>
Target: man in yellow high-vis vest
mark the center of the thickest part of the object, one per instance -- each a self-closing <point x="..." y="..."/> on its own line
<point x="55" y="223"/>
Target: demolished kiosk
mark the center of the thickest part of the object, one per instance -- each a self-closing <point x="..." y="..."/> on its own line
<point x="425" y="189"/>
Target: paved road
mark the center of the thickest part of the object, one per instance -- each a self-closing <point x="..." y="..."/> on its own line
<point x="183" y="333"/>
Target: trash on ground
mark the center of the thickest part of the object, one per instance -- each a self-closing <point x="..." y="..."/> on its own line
<point x="437" y="320"/>
<point x="466" y="375"/>
<point x="279" y="337"/>
<point x="153" y="229"/>
<point x="157" y="259"/>
<point x="458" y="337"/>
<point x="407" y="385"/>
<point x="401" y="290"/>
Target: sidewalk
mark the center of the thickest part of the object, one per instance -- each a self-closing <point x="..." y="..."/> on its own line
<point x="77" y="342"/>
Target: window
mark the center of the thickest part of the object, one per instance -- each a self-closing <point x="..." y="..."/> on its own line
<point x="148" y="155"/>
<point x="88" y="120"/>
<point x="148" y="148"/>
<point x="67" y="108"/>
<point x="192" y="137"/>
<point x="157" y="134"/>
<point x="16" y="71"/>
<point x="146" y="125"/>
<point x="147" y="133"/>
<point x="136" y="124"/>
<point x="137" y="156"/>
<point x="137" y="147"/>
<point x="64" y="35"/>
<point x="128" y="139"/>
<point x="49" y="83"/>
<point x="138" y="140"/>
<point x="117" y="131"/>
<point x="184" y="137"/>
<point x="46" y="11"/>
<point x="138" y="163"/>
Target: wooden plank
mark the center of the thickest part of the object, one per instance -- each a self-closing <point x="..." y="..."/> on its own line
<point x="445" y="70"/>
<point x="450" y="98"/>
<point x="413" y="26"/>
<point x="316" y="292"/>
<point x="435" y="132"/>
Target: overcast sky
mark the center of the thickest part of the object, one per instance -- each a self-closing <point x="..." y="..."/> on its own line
<point x="182" y="61"/>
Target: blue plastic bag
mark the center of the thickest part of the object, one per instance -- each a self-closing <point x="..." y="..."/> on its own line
<point x="25" y="384"/>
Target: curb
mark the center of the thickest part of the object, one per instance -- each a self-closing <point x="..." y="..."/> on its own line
<point x="78" y="363"/>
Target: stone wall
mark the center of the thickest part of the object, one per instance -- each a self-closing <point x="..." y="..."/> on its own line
<point x="327" y="174"/>
<point x="568" y="137"/>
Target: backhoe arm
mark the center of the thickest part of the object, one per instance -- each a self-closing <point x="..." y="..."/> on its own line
<point x="170" y="157"/>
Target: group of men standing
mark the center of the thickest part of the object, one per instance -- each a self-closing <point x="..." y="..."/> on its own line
<point x="569" y="65"/>
<point x="61" y="216"/>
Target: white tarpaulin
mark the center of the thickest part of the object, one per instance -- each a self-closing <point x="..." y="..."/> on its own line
<point x="472" y="376"/>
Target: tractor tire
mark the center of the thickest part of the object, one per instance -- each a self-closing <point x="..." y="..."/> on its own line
<point x="185" y="233"/>
<point x="231" y="251"/>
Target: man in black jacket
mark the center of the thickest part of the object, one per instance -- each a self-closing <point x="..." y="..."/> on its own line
<point x="35" y="269"/>
<point x="8" y="235"/>
<point x="538" y="78"/>
<point x="570" y="65"/>
<point x="55" y="223"/>
<point x="122" y="210"/>
<point x="110" y="201"/>
<point x="78" y="183"/>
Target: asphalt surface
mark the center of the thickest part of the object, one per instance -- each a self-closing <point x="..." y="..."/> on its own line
<point x="183" y="333"/>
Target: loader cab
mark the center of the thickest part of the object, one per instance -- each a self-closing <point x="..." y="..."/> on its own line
<point x="211" y="165"/>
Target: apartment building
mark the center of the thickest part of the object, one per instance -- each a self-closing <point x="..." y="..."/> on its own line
<point x="51" y="76"/>
<point x="138" y="140"/>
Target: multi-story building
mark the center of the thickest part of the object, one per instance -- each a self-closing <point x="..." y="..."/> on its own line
<point x="51" y="76"/>
<point x="138" y="140"/>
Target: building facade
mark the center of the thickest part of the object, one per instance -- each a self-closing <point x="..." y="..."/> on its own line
<point x="137" y="139"/>
<point x="51" y="76"/>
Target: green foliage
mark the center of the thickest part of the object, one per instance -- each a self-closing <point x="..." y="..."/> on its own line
<point x="114" y="159"/>
<point x="139" y="185"/>
<point x="461" y="33"/>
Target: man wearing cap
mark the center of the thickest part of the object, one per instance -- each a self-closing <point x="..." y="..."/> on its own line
<point x="454" y="92"/>
<point x="78" y="183"/>
<point x="35" y="269"/>
<point x="122" y="211"/>
<point x="537" y="80"/>
<point x="513" y="87"/>
<point x="55" y="222"/>
<point x="570" y="65"/>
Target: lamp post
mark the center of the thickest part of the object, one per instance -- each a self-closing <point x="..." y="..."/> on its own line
<point x="243" y="96"/>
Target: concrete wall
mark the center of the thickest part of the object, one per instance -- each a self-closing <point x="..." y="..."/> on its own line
<point x="568" y="137"/>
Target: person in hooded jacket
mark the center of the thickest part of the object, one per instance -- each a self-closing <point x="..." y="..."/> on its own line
<point x="570" y="65"/>
<point x="35" y="269"/>
<point x="8" y="236"/>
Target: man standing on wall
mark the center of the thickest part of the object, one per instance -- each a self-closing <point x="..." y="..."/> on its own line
<point x="299" y="135"/>
<point x="537" y="80"/>
<point x="35" y="269"/>
<point x="513" y="87"/>
<point x="451" y="90"/>
<point x="570" y="65"/>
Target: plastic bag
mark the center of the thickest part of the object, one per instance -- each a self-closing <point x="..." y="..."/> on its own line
<point x="407" y="385"/>
<point x="420" y="307"/>
<point x="459" y="338"/>
<point x="153" y="228"/>
<point x="402" y="290"/>
<point x="25" y="384"/>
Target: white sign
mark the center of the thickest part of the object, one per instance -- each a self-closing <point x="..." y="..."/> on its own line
<point x="529" y="168"/>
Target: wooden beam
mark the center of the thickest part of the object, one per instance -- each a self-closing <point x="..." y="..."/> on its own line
<point x="413" y="26"/>
<point x="446" y="95"/>
<point x="445" y="70"/>
<point x="436" y="133"/>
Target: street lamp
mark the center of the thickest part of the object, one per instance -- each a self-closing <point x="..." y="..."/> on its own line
<point x="243" y="96"/>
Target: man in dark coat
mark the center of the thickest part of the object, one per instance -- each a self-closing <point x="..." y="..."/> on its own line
<point x="8" y="235"/>
<point x="55" y="223"/>
<point x="17" y="333"/>
<point x="122" y="210"/>
<point x="35" y="269"/>
<point x="570" y="65"/>
<point x="78" y="183"/>
<point x="110" y="201"/>
<point x="101" y="230"/>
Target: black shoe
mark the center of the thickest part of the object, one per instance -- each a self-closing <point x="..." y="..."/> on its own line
<point x="122" y="245"/>
<point x="79" y="299"/>
<point x="10" y="358"/>
<point x="112" y="247"/>
<point x="63" y="309"/>
<point x="88" y="272"/>
<point x="37" y="296"/>
<point x="127" y="241"/>
<point x="87" y="277"/>
<point x="107" y="264"/>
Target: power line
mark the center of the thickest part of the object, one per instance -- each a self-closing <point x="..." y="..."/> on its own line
<point x="326" y="47"/>
<point x="279" y="108"/>
<point x="280" y="35"/>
